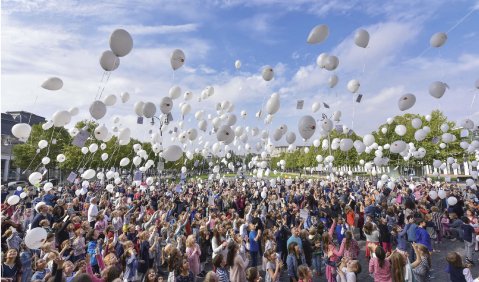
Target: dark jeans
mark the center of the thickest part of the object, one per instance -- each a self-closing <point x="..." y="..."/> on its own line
<point x="254" y="258"/>
<point x="410" y="251"/>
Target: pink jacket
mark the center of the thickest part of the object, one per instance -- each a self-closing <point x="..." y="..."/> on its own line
<point x="194" y="259"/>
<point x="381" y="274"/>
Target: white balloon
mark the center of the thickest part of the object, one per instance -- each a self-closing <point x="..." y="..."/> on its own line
<point x="451" y="201"/>
<point x="166" y="105"/>
<point x="346" y="145"/>
<point x="61" y="118"/>
<point x="237" y="64"/>
<point x="109" y="100"/>
<point x="321" y="60"/>
<point x="104" y="156"/>
<point x="315" y="106"/>
<point x="137" y="160"/>
<point x="175" y="92"/>
<point x="447" y="138"/>
<point x="400" y="130"/>
<point x="93" y="147"/>
<point x="97" y="109"/>
<point x="416" y="123"/>
<point x="225" y="134"/>
<point x="177" y="59"/>
<point x="327" y="125"/>
<point x="124" y="162"/>
<point x="420" y="135"/>
<point x="47" y="125"/>
<point x="467" y="124"/>
<point x="438" y="39"/>
<point x="437" y="89"/>
<point x="290" y="137"/>
<point x="331" y="63"/>
<point x="353" y="86"/>
<point x="397" y="147"/>
<point x="61" y="158"/>
<point x="109" y="61"/>
<point x="444" y="127"/>
<point x="121" y="42"/>
<point x="428" y="118"/>
<point x="45" y="160"/>
<point x="53" y="83"/>
<point x="35" y="178"/>
<point x="88" y="174"/>
<point x="436" y="163"/>
<point x="42" y="144"/>
<point x="84" y="150"/>
<point x="172" y="153"/>
<point x="307" y="127"/>
<point x="185" y="109"/>
<point x="35" y="237"/>
<point x="267" y="73"/>
<point x="337" y="116"/>
<point x="406" y="101"/>
<point x="361" y="38"/>
<point x="124" y="134"/>
<point x="125" y="96"/>
<point x="368" y="139"/>
<point x="21" y="131"/>
<point x="188" y="95"/>
<point x="273" y="104"/>
<point x="101" y="132"/>
<point x="433" y="194"/>
<point x="202" y="125"/>
<point x="149" y="110"/>
<point x="318" y="34"/>
<point x="333" y="80"/>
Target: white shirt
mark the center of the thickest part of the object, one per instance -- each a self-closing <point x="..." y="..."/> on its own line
<point x="92" y="212"/>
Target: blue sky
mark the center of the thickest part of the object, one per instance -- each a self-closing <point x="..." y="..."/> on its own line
<point x="65" y="39"/>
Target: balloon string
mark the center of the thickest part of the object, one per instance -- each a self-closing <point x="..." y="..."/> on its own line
<point x="91" y="158"/>
<point x="49" y="143"/>
<point x="33" y="108"/>
<point x="354" y="113"/>
<point x="104" y="85"/>
<point x="475" y="8"/>
<point x="99" y="85"/>
<point x="111" y="157"/>
<point x="36" y="154"/>
<point x="79" y="164"/>
<point x="472" y="103"/>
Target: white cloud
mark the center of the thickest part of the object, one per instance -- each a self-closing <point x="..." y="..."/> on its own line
<point x="156" y="29"/>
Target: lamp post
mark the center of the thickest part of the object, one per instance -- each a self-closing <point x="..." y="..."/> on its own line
<point x="8" y="142"/>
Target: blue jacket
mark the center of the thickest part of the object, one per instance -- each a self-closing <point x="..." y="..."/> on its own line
<point x="339" y="236"/>
<point x="411" y="232"/>
<point x="292" y="263"/>
<point x="422" y="237"/>
<point x="401" y="239"/>
<point x="468" y="232"/>
<point x="253" y="245"/>
<point x="91" y="249"/>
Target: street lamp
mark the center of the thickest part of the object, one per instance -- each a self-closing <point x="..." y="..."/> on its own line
<point x="8" y="142"/>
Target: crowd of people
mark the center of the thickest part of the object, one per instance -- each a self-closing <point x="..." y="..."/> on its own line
<point x="239" y="230"/>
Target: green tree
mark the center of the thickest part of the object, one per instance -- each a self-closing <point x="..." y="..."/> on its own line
<point x="29" y="153"/>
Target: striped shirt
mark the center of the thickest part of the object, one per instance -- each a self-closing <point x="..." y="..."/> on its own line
<point x="223" y="275"/>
